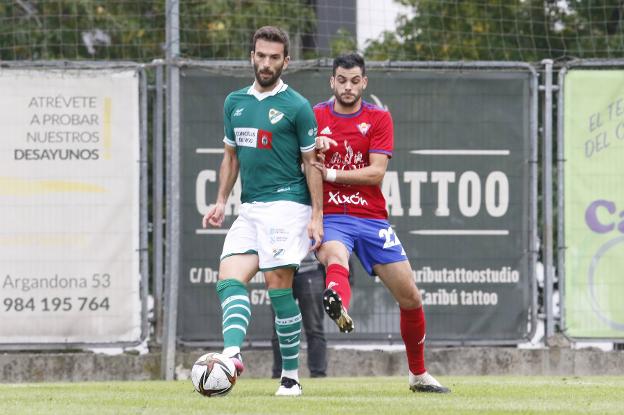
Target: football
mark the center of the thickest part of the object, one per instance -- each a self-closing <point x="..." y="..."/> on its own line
<point x="213" y="374"/>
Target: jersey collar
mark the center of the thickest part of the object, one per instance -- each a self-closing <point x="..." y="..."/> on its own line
<point x="352" y="115"/>
<point x="280" y="87"/>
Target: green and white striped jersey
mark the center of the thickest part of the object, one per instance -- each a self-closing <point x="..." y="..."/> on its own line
<point x="270" y="130"/>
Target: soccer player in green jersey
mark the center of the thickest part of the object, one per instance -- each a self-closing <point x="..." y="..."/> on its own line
<point x="269" y="131"/>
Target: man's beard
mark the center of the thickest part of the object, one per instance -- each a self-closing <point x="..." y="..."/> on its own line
<point x="348" y="104"/>
<point x="269" y="81"/>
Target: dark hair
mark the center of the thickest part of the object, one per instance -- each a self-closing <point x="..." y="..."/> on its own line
<point x="271" y="34"/>
<point x="348" y="61"/>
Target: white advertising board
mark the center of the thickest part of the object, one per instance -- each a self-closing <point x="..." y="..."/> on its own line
<point x="69" y="206"/>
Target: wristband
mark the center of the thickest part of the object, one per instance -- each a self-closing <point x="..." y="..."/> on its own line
<point x="331" y="175"/>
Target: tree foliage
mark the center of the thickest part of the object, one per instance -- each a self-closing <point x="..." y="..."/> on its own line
<point x="342" y="42"/>
<point x="92" y="29"/>
<point x="223" y="28"/>
<point x="135" y="29"/>
<point x="523" y="30"/>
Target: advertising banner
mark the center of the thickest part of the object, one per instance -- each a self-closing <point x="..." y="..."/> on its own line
<point x="457" y="190"/>
<point x="69" y="206"/>
<point x="593" y="137"/>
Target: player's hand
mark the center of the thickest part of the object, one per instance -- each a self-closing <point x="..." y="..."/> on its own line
<point x="215" y="215"/>
<point x="315" y="232"/>
<point x="324" y="143"/>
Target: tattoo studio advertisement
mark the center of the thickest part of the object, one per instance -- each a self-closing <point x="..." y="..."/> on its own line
<point x="458" y="197"/>
<point x="594" y="203"/>
<point x="69" y="206"/>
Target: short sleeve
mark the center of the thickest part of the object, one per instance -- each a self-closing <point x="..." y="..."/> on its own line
<point x="305" y="125"/>
<point x="228" y="132"/>
<point x="382" y="140"/>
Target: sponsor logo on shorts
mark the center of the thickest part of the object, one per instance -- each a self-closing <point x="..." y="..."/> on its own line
<point x="277" y="235"/>
<point x="339" y="199"/>
<point x="278" y="252"/>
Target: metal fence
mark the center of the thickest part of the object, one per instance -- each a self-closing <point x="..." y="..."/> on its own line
<point x="424" y="30"/>
<point x="162" y="96"/>
<point x="164" y="283"/>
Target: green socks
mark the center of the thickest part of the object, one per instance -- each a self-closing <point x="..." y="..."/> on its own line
<point x="287" y="326"/>
<point x="236" y="311"/>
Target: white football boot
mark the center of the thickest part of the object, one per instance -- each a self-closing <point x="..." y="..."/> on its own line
<point x="289" y="387"/>
<point x="426" y="383"/>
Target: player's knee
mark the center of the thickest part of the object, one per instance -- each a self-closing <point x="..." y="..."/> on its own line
<point x="279" y="279"/>
<point x="331" y="253"/>
<point x="337" y="257"/>
<point x="411" y="301"/>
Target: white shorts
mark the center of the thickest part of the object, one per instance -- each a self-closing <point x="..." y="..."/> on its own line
<point x="275" y="231"/>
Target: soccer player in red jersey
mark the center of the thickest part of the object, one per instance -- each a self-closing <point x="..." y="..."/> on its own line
<point x="358" y="139"/>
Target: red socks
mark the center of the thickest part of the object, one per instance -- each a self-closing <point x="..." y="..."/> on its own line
<point x="338" y="280"/>
<point x="413" y="333"/>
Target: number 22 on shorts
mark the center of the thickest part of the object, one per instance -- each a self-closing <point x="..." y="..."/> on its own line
<point x="391" y="238"/>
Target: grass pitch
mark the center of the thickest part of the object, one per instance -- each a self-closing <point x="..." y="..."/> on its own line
<point x="380" y="395"/>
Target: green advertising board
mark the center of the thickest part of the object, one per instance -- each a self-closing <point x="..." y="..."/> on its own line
<point x="458" y="189"/>
<point x="593" y="140"/>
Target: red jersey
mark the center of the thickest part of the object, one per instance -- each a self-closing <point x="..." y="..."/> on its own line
<point x="367" y="131"/>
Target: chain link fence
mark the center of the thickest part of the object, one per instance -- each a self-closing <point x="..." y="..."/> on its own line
<point x="440" y="30"/>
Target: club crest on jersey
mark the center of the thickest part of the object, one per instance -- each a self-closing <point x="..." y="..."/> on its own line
<point x="363" y="127"/>
<point x="265" y="139"/>
<point x="275" y="116"/>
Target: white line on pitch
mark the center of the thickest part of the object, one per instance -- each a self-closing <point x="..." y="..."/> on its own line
<point x="475" y="232"/>
<point x="433" y="152"/>
<point x="211" y="231"/>
<point x="209" y="150"/>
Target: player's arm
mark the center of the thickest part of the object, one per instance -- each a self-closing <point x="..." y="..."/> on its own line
<point x="314" y="179"/>
<point x="306" y="127"/>
<point x="372" y="174"/>
<point x="228" y="173"/>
